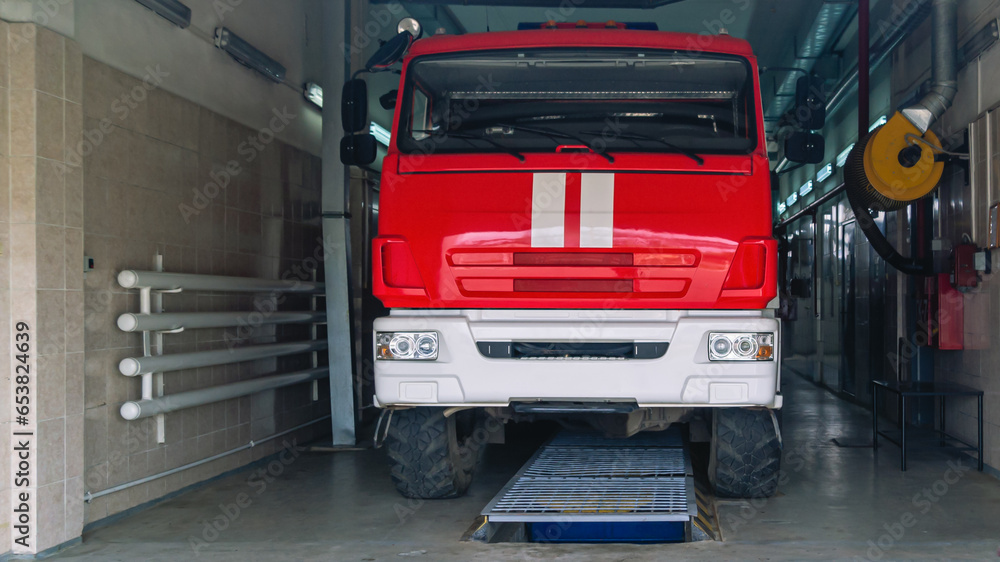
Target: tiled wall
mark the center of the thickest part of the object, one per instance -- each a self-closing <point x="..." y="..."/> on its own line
<point x="154" y="151"/>
<point x="42" y="247"/>
<point x="975" y="366"/>
<point x="961" y="211"/>
<point x="97" y="163"/>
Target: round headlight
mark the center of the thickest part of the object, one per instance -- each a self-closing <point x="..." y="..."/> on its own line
<point x="746" y="346"/>
<point x="402" y="346"/>
<point x="411" y="26"/>
<point x="427" y="346"/>
<point x="721" y="346"/>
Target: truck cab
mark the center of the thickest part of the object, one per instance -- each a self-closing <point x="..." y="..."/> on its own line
<point x="575" y="223"/>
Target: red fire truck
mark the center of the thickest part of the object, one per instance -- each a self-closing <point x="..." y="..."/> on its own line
<point x="575" y="224"/>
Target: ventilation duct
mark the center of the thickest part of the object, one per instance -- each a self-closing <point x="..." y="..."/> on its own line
<point x="944" y="67"/>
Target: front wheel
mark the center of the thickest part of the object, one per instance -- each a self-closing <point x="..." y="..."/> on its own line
<point x="432" y="457"/>
<point x="746" y="453"/>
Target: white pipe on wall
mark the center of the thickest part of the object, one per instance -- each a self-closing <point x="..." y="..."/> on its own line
<point x="147" y="386"/>
<point x="132" y="279"/>
<point x="130" y="322"/>
<point x="132" y="366"/>
<point x="136" y="409"/>
<point x="145" y="307"/>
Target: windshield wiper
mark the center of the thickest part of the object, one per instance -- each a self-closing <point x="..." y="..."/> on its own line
<point x="469" y="137"/>
<point x="636" y="136"/>
<point x="554" y="133"/>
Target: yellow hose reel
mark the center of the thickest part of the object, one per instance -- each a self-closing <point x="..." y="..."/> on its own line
<point x="894" y="165"/>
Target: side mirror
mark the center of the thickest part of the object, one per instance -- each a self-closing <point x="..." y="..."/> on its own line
<point x="810" y="103"/>
<point x="354" y="106"/>
<point x="388" y="99"/>
<point x="390" y="52"/>
<point x="805" y="148"/>
<point x="358" y="150"/>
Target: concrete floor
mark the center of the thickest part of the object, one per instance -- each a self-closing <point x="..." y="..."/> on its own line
<point x="837" y="503"/>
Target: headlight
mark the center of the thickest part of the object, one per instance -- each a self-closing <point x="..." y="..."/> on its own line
<point x="721" y="346"/>
<point x="745" y="346"/>
<point x="741" y="346"/>
<point x="413" y="346"/>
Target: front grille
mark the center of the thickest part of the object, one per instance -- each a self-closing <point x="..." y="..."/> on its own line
<point x="572" y="350"/>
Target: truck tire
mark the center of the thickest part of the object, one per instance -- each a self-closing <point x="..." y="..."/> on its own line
<point x="432" y="457"/>
<point x="746" y="454"/>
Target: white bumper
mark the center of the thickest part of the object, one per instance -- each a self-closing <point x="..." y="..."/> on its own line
<point x="683" y="376"/>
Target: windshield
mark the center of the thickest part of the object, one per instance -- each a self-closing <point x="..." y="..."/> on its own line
<point x="607" y="100"/>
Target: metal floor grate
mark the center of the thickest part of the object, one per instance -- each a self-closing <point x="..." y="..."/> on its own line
<point x="585" y="477"/>
<point x="546" y="499"/>
<point x="585" y="462"/>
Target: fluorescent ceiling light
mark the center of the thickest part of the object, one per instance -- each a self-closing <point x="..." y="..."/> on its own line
<point x="792" y="199"/>
<point x="247" y="55"/>
<point x="381" y="133"/>
<point x="781" y="208"/>
<point x="314" y="93"/>
<point x="842" y="157"/>
<point x="170" y="10"/>
<point x="824" y="172"/>
<point x="880" y="121"/>
<point x="806" y="188"/>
